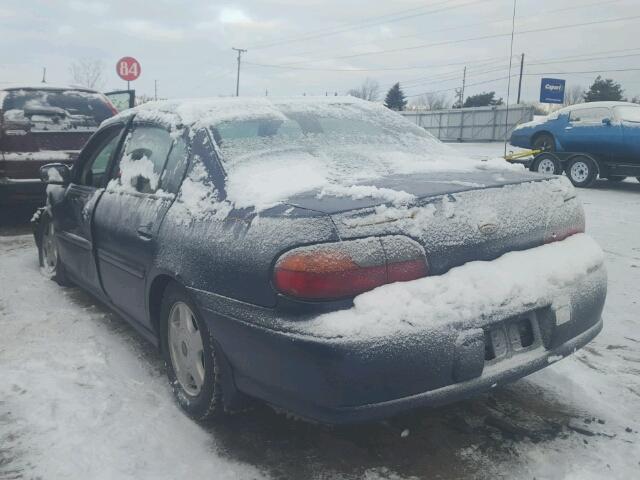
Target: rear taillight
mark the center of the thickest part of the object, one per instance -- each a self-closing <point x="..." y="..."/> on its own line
<point x="564" y="225"/>
<point x="345" y="269"/>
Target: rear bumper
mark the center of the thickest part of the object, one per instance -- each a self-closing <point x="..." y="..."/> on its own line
<point x="353" y="379"/>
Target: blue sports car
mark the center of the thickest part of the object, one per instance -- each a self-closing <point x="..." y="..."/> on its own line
<point x="606" y="134"/>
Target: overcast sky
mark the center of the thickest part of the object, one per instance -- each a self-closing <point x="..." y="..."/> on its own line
<point x="186" y="44"/>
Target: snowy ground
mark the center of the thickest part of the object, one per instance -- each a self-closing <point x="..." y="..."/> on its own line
<point x="83" y="396"/>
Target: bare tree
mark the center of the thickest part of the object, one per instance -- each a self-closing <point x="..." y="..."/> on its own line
<point x="369" y="90"/>
<point x="432" y="101"/>
<point x="573" y="95"/>
<point x="87" y="72"/>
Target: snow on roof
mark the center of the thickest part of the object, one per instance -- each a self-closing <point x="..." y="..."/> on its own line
<point x="209" y="111"/>
<point x="262" y="171"/>
<point x="579" y="106"/>
<point x="43" y="86"/>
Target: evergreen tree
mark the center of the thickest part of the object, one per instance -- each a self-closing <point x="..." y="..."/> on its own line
<point x="395" y="98"/>
<point x="482" y="100"/>
<point x="603" y="90"/>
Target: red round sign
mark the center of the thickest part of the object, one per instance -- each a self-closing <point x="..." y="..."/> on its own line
<point x="128" y="68"/>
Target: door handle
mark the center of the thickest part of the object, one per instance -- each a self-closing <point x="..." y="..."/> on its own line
<point x="144" y="232"/>
<point x="568" y="128"/>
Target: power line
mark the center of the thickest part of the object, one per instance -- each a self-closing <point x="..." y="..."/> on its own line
<point x="371" y="69"/>
<point x="345" y="24"/>
<point x="606" y="70"/>
<point x="532" y="74"/>
<point x="367" y="25"/>
<point x="485" y="37"/>
<point x="457" y="27"/>
<point x="587" y="59"/>
<point x="566" y="59"/>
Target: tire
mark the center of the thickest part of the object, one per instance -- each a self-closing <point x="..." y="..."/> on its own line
<point x="48" y="258"/>
<point x="544" y="141"/>
<point x="547" y="164"/>
<point x="582" y="171"/>
<point x="615" y="178"/>
<point x="192" y="366"/>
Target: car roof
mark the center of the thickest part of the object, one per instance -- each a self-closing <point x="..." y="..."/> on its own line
<point x="208" y="111"/>
<point x="580" y="106"/>
<point x="44" y="86"/>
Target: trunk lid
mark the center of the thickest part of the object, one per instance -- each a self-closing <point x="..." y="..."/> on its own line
<point x="459" y="217"/>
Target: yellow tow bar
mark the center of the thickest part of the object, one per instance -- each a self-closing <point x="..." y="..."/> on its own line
<point x="511" y="156"/>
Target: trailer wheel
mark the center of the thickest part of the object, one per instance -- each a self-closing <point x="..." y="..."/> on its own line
<point x="546" y="163"/>
<point x="582" y="170"/>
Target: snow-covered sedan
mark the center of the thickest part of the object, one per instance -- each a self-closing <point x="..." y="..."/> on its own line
<point x="323" y="255"/>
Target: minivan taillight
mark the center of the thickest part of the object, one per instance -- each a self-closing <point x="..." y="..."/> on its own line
<point x="346" y="269"/>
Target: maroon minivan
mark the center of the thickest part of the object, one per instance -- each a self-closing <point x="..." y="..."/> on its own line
<point x="43" y="124"/>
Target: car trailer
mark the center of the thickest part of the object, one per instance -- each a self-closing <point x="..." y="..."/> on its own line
<point x="583" y="169"/>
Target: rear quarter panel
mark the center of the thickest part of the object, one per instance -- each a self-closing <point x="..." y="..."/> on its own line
<point x="233" y="257"/>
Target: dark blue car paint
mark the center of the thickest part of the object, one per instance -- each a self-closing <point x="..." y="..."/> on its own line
<point x="227" y="268"/>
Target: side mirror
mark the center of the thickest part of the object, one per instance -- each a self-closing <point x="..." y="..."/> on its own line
<point x="606" y="121"/>
<point x="55" y="174"/>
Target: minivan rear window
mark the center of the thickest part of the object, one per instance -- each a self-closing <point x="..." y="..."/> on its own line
<point x="56" y="109"/>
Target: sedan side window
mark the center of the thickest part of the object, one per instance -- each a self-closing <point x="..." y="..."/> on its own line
<point x="143" y="161"/>
<point x="94" y="170"/>
<point x="175" y="168"/>
<point x="589" y="115"/>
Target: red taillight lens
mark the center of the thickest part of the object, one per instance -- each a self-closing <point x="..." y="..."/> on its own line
<point x="561" y="234"/>
<point x="562" y="228"/>
<point x="346" y="269"/>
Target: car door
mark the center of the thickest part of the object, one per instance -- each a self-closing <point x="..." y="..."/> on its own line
<point x="122" y="99"/>
<point x="141" y="189"/>
<point x="586" y="131"/>
<point x="629" y="118"/>
<point x="74" y="212"/>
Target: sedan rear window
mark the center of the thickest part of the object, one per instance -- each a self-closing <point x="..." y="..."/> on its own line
<point x="56" y="109"/>
<point x="343" y="139"/>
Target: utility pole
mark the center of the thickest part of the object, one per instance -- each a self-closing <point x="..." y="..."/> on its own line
<point x="240" y="52"/>
<point x="464" y="83"/>
<point x="520" y="81"/>
<point x="44" y="74"/>
<point x="155" y="89"/>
